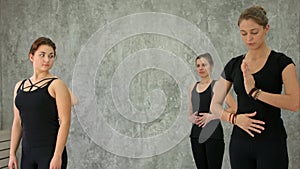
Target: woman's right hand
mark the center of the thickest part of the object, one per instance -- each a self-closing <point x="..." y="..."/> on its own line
<point x="13" y="162"/>
<point x="194" y="118"/>
<point x="248" y="124"/>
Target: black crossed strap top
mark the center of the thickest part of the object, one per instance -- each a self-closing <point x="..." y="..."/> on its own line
<point x="38" y="112"/>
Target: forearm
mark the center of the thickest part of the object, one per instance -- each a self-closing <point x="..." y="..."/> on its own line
<point x="62" y="137"/>
<point x="16" y="135"/>
<point x="231" y="110"/>
<point x="218" y="111"/>
<point x="283" y="101"/>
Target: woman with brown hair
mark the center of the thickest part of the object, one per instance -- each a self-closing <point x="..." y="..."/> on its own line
<point x="258" y="139"/>
<point x="42" y="111"/>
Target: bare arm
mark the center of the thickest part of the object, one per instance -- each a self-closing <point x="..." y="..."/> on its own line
<point x="74" y="99"/>
<point x="63" y="102"/>
<point x="290" y="99"/>
<point x="244" y="121"/>
<point x="16" y="134"/>
<point x="221" y="90"/>
<point x="192" y="116"/>
<point x="232" y="107"/>
<point x="299" y="97"/>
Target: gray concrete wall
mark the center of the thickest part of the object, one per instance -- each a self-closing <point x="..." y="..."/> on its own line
<point x="131" y="63"/>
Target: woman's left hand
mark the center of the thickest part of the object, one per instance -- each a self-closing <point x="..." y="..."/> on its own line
<point x="205" y="118"/>
<point x="249" y="81"/>
<point x="55" y="163"/>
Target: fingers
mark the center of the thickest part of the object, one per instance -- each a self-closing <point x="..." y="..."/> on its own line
<point x="201" y="121"/>
<point x="252" y="135"/>
<point x="244" y="66"/>
<point x="252" y="129"/>
<point x="198" y="122"/>
<point x="258" y="122"/>
<point x="250" y="125"/>
<point x="257" y="130"/>
<point x="13" y="165"/>
<point x="251" y="114"/>
<point x="249" y="81"/>
<point x="204" y="119"/>
<point x="202" y="114"/>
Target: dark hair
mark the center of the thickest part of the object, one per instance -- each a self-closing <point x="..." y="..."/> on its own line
<point x="207" y="56"/>
<point x="42" y="41"/>
<point x="257" y="13"/>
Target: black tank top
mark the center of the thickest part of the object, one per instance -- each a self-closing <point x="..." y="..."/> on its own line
<point x="201" y="103"/>
<point x="39" y="115"/>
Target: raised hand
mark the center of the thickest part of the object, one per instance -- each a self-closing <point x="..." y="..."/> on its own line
<point x="249" y="81"/>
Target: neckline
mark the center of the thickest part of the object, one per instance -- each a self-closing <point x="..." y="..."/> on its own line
<point x="34" y="87"/>
<point x="204" y="89"/>
<point x="264" y="65"/>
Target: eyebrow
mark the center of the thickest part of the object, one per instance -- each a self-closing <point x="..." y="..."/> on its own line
<point x="45" y="52"/>
<point x="253" y="29"/>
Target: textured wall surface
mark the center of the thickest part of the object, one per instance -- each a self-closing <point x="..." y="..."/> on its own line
<point x="131" y="63"/>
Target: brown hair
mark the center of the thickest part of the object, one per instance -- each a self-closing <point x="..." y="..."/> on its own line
<point x="207" y="56"/>
<point x="257" y="13"/>
<point x="42" y="41"/>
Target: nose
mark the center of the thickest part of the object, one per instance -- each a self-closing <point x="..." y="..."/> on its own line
<point x="47" y="58"/>
<point x="249" y="37"/>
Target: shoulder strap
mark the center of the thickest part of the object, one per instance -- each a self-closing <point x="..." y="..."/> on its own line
<point x="41" y="86"/>
<point x="49" y="82"/>
<point x="21" y="85"/>
<point x="195" y="85"/>
<point x="213" y="83"/>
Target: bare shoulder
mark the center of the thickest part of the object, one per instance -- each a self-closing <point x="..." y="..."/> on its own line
<point x="192" y="86"/>
<point x="57" y="85"/>
<point x="18" y="85"/>
<point x="58" y="82"/>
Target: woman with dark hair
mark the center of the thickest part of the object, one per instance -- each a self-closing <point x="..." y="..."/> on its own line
<point x="207" y="141"/>
<point x="42" y="109"/>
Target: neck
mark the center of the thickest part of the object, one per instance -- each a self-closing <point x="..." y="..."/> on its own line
<point x="205" y="80"/>
<point x="258" y="53"/>
<point x="38" y="76"/>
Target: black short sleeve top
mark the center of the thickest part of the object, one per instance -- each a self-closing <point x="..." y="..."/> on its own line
<point x="269" y="79"/>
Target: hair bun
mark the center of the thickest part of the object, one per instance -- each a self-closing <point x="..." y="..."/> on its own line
<point x="261" y="9"/>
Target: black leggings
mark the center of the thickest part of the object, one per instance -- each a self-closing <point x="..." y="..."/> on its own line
<point x="40" y="158"/>
<point x="208" y="155"/>
<point x="251" y="154"/>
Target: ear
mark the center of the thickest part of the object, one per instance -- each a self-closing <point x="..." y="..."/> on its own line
<point x="31" y="57"/>
<point x="267" y="28"/>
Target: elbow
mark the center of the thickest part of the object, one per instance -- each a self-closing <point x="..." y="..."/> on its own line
<point x="212" y="108"/>
<point x="293" y="104"/>
<point x="294" y="107"/>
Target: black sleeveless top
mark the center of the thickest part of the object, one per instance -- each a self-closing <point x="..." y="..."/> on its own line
<point x="39" y="115"/>
<point x="269" y="79"/>
<point x="201" y="103"/>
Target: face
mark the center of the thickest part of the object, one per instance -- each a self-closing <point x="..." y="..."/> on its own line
<point x="203" y="67"/>
<point x="253" y="34"/>
<point x="43" y="58"/>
